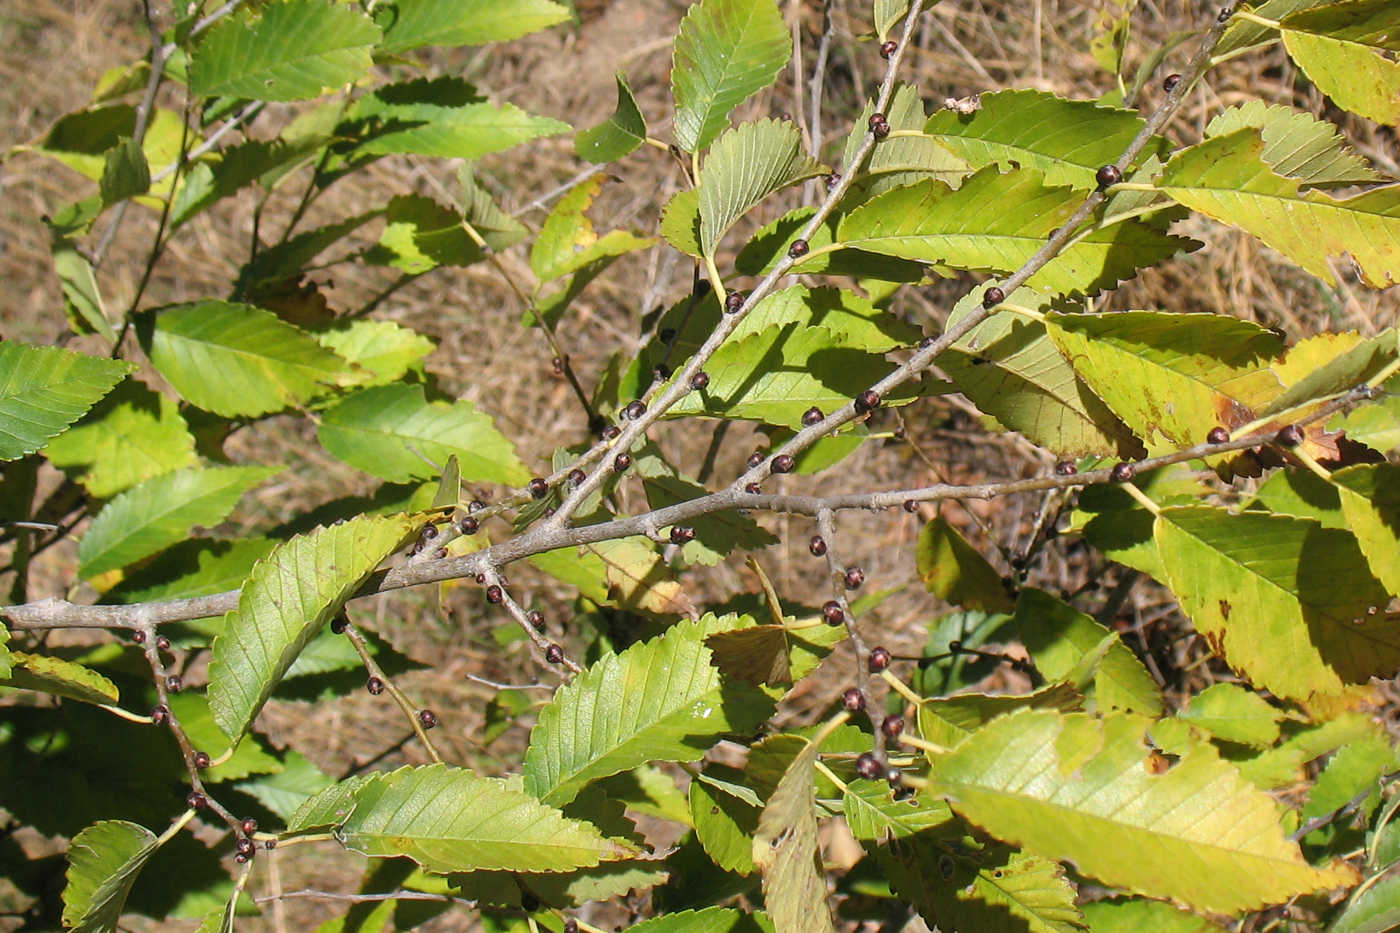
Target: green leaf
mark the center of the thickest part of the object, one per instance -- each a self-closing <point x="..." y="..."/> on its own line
<point x="1342" y="48"/>
<point x="1066" y="140"/>
<point x="724" y="823"/>
<point x="1280" y="766"/>
<point x="58" y="677"/>
<point x="1300" y="493"/>
<point x="125" y="172"/>
<point x="946" y="721"/>
<point x="726" y="51"/>
<point x="1323" y="365"/>
<point x="45" y="389"/>
<point x="1282" y="599"/>
<point x="680" y="222"/>
<point x="393" y="432"/>
<point x="1227" y="178"/>
<point x="286" y="790"/>
<point x="1374" y="910"/>
<point x="1171" y="377"/>
<point x="103" y="862"/>
<point x="994" y="222"/>
<point x="410" y="24"/>
<point x="1234" y="714"/>
<point x="568" y="242"/>
<point x="1357" y="769"/>
<point x="955" y="572"/>
<point x="82" y="299"/>
<point x="420" y="234"/>
<point x="1011" y="369"/>
<point x="994" y="890"/>
<point x="198" y="567"/>
<point x="160" y="512"/>
<point x="742" y="168"/>
<point x="249" y="756"/>
<point x="785" y="851"/>
<point x="442" y="117"/>
<point x="288" y="598"/>
<point x="448" y="819"/>
<point x="874" y="814"/>
<point x="1077" y="787"/>
<point x="382" y="350"/>
<point x="708" y="920"/>
<point x="1059" y="637"/>
<point x="131" y="435"/>
<point x="290" y="50"/>
<point x="236" y="360"/>
<point x="659" y="700"/>
<point x="1376" y="424"/>
<point x="330" y="806"/>
<point x="798" y="348"/>
<point x="1297" y="144"/>
<point x="619" y="135"/>
<point x="1132" y="915"/>
<point x="899" y="160"/>
<point x="887" y="13"/>
<point x="1370" y="498"/>
<point x="6" y="660"/>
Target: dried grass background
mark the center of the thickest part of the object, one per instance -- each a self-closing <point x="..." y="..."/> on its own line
<point x="52" y="53"/>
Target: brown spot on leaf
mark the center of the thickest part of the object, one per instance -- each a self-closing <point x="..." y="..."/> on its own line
<point x="1156" y="763"/>
<point x="1225" y="608"/>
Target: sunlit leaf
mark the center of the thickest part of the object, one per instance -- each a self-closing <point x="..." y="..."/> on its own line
<point x="409" y="24"/>
<point x="288" y="598"/>
<point x="659" y="700"/>
<point x="287" y="50"/>
<point x="1348" y="50"/>
<point x="1078" y="787"/>
<point x="45" y="389"/>
<point x="103" y="862"/>
<point x="726" y="50"/>
<point x="621" y="134"/>
<point x="743" y="167"/>
<point x="786" y="853"/>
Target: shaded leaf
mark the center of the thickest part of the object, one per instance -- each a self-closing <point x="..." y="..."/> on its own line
<point x="724" y="823"/>
<point x="288" y="598"/>
<point x="1058" y="637"/>
<point x="659" y="700"/>
<point x="995" y="890"/>
<point x="1281" y="599"/>
<point x="953" y="570"/>
<point x="1076" y="787"/>
<point x="288" y="50"/>
<point x="899" y="159"/>
<point x="1370" y="499"/>
<point x="1011" y="369"/>
<point x="785" y="851"/>
<point x="103" y="862"/>
<point x="395" y="433"/>
<point x="1131" y="914"/>
<point x="1375" y="910"/>
<point x="617" y="136"/>
<point x="1282" y="765"/>
<point x="125" y="172"/>
<point x="45" y="389"/>
<point x="449" y="819"/>
<point x="82" y="298"/>
<point x="286" y="790"/>
<point x="725" y="51"/>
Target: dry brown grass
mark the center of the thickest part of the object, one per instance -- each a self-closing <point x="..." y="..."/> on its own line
<point x="51" y="53"/>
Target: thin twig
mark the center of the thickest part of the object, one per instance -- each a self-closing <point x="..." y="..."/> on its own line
<point x="411" y="712"/>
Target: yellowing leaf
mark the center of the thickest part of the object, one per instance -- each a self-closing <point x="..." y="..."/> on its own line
<point x="956" y="572"/>
<point x="1228" y="179"/>
<point x="1283" y="600"/>
<point x="785" y="851"/>
<point x="1080" y="788"/>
